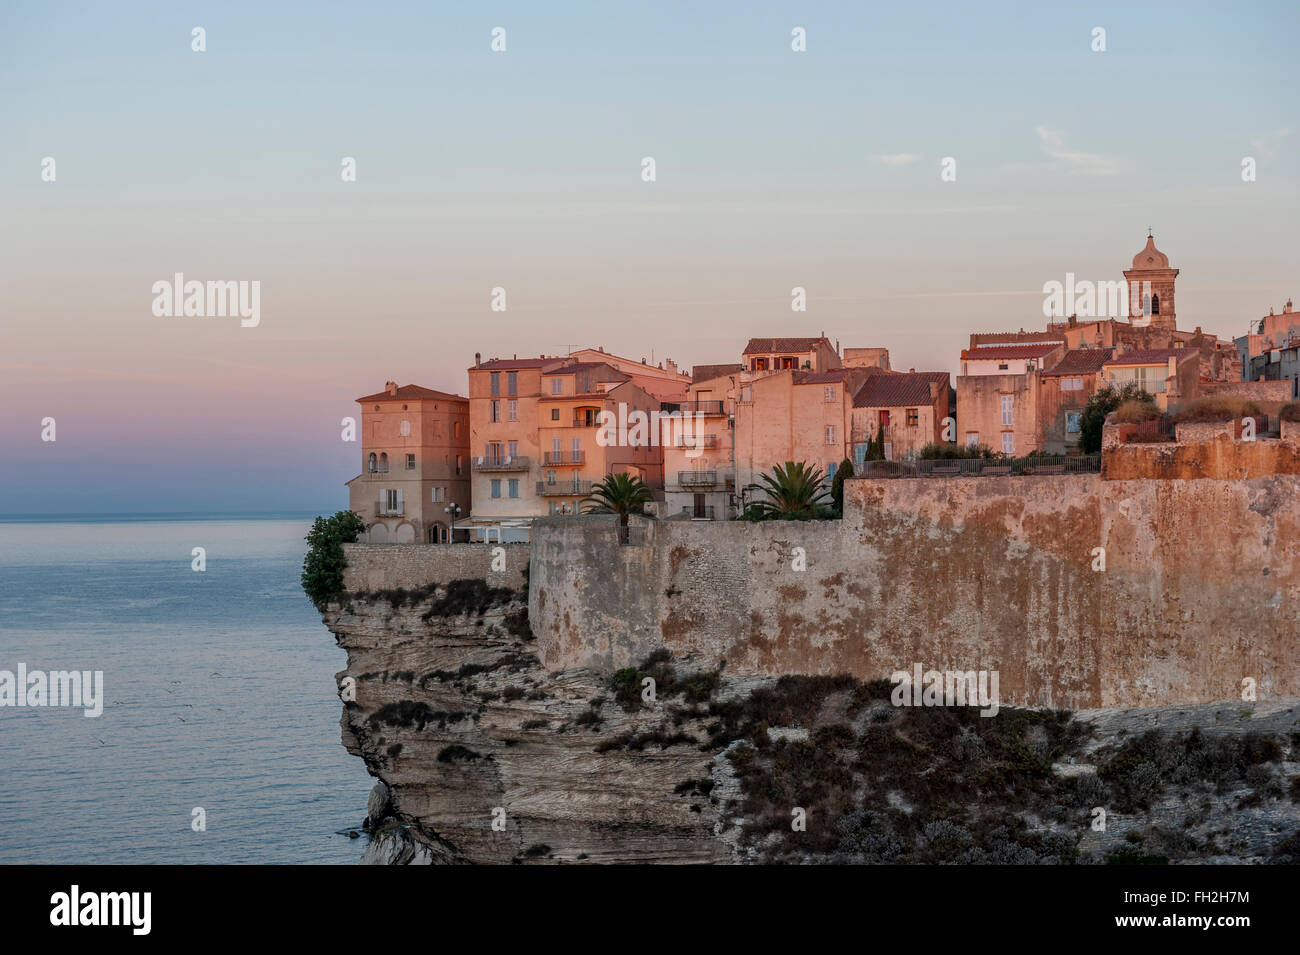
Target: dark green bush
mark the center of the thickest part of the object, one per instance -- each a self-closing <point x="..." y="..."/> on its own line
<point x="322" y="567"/>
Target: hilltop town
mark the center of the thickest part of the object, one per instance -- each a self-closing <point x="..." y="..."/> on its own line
<point x="526" y="440"/>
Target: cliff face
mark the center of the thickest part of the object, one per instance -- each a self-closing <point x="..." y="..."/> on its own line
<point x="485" y="756"/>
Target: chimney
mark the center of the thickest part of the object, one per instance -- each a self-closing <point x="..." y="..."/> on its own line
<point x="478" y="359"/>
<point x="911" y="371"/>
<point x="1287" y="310"/>
<point x="391" y="388"/>
<point x="672" y="365"/>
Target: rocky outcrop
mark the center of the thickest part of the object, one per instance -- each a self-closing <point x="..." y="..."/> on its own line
<point x="483" y="756"/>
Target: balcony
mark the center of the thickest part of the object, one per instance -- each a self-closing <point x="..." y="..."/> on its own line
<point x="711" y="408"/>
<point x="564" y="488"/>
<point x="697" y="441"/>
<point x="698" y="512"/>
<point x="507" y="463"/>
<point x="697" y="478"/>
<point x="564" y="459"/>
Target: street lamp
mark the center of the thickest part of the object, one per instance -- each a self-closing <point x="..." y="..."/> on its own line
<point x="452" y="510"/>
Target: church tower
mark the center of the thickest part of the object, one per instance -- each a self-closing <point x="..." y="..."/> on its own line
<point x="1151" y="288"/>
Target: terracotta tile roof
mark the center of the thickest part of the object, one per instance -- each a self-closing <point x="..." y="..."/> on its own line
<point x="905" y="388"/>
<point x="991" y="352"/>
<point x="412" y="392"/>
<point x="1150" y="356"/>
<point x="502" y="364"/>
<point x="823" y="377"/>
<point x="706" y="372"/>
<point x="1081" y="361"/>
<point x="768" y="346"/>
<point x="582" y="366"/>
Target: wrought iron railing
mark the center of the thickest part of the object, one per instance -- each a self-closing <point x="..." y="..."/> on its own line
<point x="1038" y="464"/>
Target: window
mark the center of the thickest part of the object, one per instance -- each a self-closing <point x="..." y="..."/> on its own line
<point x="496" y="487"/>
<point x="494" y="411"/>
<point x="513" y="449"/>
<point x="404" y="429"/>
<point x="1002" y="367"/>
<point x="513" y="409"/>
<point x="576" y="447"/>
<point x="439" y="494"/>
<point x="512" y="382"/>
<point x="557" y="385"/>
<point x="372" y="465"/>
<point x="830" y="393"/>
<point x="550" y="477"/>
<point x="391" y="498"/>
<point x="496" y="384"/>
<point x="972" y="439"/>
<point x="1155" y="304"/>
<point x="383" y="461"/>
<point x="410" y="462"/>
<point x="1008" y="406"/>
<point x="555" y="414"/>
<point x="460" y="463"/>
<point x="913" y="417"/>
<point x="830" y="434"/>
<point x="437" y="428"/>
<point x="1072" y="384"/>
<point x="830" y="471"/>
<point x="514" y="487"/>
<point x="1008" y="442"/>
<point x="1072" y="422"/>
<point x="455" y="429"/>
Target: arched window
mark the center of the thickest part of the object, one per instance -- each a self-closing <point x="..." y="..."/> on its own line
<point x="1146" y="304"/>
<point x="383" y="461"/>
<point x="372" y="462"/>
<point x="1155" y="304"/>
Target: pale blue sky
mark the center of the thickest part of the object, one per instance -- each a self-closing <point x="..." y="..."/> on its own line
<point x="521" y="169"/>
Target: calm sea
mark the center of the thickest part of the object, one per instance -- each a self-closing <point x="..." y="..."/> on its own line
<point x="219" y="693"/>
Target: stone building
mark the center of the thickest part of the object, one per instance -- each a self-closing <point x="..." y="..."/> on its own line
<point x="908" y="409"/>
<point x="414" y="464"/>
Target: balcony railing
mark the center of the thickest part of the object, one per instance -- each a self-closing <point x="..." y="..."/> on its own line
<point x="564" y="488"/>
<point x="1039" y="464"/>
<point x="702" y="407"/>
<point x="561" y="459"/>
<point x="701" y="441"/>
<point x="697" y="478"/>
<point x="698" y="512"/>
<point x="383" y="510"/>
<point x="378" y="469"/>
<point x="506" y="463"/>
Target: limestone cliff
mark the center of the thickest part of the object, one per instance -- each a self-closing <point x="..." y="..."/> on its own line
<point x="463" y="726"/>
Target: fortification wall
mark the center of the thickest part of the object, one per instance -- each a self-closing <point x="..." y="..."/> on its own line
<point x="374" y="567"/>
<point x="1201" y="588"/>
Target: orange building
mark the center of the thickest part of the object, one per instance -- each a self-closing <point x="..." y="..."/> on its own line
<point x="699" y="458"/>
<point x="537" y="444"/>
<point x="908" y="409"/>
<point x="415" y="464"/>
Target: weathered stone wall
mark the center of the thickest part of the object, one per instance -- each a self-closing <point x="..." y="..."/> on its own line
<point x="1201" y="588"/>
<point x="1269" y="395"/>
<point x="374" y="567"/>
<point x="1203" y="451"/>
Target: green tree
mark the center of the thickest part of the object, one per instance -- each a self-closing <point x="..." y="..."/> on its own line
<point x="620" y="494"/>
<point x="793" y="492"/>
<point x="842" y="473"/>
<point x="322" y="567"/>
<point x="1103" y="402"/>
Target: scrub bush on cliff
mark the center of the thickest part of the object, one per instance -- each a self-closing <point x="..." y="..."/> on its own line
<point x="322" y="567"/>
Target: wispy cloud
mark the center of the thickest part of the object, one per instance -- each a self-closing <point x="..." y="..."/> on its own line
<point x="899" y="159"/>
<point x="1268" y="144"/>
<point x="1088" y="164"/>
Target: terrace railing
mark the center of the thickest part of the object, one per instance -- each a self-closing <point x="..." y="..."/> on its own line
<point x="1039" y="464"/>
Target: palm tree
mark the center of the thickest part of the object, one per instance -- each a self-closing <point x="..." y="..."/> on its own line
<point x="794" y="492"/>
<point x="620" y="494"/>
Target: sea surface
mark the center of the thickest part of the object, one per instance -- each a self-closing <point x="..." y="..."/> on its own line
<point x="218" y="693"/>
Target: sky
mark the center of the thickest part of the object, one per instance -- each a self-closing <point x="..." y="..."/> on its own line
<point x="522" y="169"/>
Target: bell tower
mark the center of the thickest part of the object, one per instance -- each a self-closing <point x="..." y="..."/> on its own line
<point x="1151" y="288"/>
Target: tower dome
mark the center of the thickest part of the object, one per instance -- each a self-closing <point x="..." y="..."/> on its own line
<point x="1150" y="257"/>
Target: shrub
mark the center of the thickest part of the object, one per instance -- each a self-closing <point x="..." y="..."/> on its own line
<point x="322" y="567"/>
<point x="935" y="451"/>
<point x="1103" y="402"/>
<point x="1214" y="408"/>
<point x="1290" y="411"/>
<point x="842" y="473"/>
<point x="1137" y="410"/>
